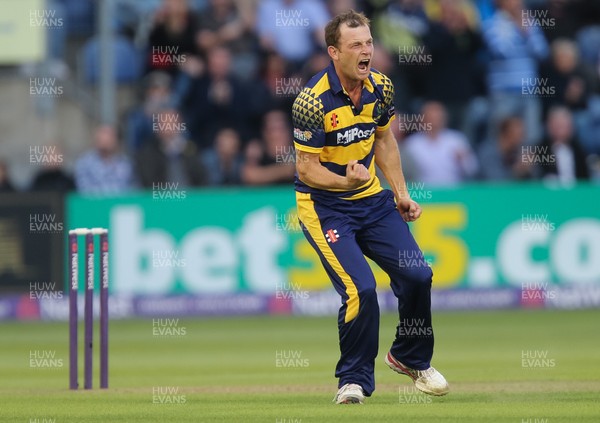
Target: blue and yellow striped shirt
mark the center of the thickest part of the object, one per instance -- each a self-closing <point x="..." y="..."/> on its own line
<point x="326" y="122"/>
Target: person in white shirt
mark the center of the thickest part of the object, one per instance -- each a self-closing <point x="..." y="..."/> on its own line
<point x="560" y="156"/>
<point x="442" y="156"/>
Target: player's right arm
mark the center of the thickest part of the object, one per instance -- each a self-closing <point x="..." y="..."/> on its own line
<point x="309" y="138"/>
<point x="314" y="174"/>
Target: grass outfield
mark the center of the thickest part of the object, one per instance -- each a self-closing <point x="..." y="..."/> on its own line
<point x="224" y="370"/>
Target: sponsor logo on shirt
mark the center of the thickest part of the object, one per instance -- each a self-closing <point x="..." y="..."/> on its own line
<point x="302" y="135"/>
<point x="350" y="135"/>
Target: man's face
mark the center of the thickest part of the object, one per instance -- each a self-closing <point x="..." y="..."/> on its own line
<point x="354" y="52"/>
<point x="560" y="126"/>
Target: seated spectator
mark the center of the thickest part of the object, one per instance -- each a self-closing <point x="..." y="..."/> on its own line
<point x="276" y="89"/>
<point x="216" y="100"/>
<point x="454" y="76"/>
<point x="104" y="169"/>
<point x="502" y="159"/>
<point x="53" y="177"/>
<point x="169" y="157"/>
<point x="223" y="162"/>
<point x="222" y="24"/>
<point x="399" y="29"/>
<point x="513" y="77"/>
<point x="572" y="82"/>
<point x="292" y="28"/>
<point x="566" y="160"/>
<point x="402" y="24"/>
<point x="157" y="96"/>
<point x="6" y="184"/>
<point x="442" y="156"/>
<point x="271" y="160"/>
<point x="172" y="37"/>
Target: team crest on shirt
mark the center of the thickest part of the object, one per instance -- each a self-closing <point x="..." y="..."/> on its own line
<point x="302" y="135"/>
<point x="377" y="111"/>
<point x="332" y="235"/>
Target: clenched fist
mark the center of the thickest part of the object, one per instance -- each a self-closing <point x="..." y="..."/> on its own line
<point x="356" y="174"/>
<point x="409" y="209"/>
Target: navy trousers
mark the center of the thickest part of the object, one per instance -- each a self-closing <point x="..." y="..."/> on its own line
<point x="343" y="232"/>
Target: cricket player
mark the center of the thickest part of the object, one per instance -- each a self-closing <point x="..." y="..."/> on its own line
<point x="342" y="121"/>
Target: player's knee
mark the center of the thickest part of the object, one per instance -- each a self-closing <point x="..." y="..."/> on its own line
<point x="367" y="293"/>
<point x="420" y="275"/>
<point x="368" y="297"/>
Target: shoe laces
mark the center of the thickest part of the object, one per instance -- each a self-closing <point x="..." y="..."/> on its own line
<point x="427" y="373"/>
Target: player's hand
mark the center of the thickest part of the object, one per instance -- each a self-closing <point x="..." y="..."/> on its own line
<point x="409" y="209"/>
<point x="356" y="174"/>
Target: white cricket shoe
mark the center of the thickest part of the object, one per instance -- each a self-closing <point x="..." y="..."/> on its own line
<point x="350" y="393"/>
<point x="429" y="381"/>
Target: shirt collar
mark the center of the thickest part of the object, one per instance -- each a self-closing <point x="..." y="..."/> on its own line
<point x="336" y="85"/>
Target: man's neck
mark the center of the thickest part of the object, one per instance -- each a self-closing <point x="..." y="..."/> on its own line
<point x="354" y="90"/>
<point x="351" y="86"/>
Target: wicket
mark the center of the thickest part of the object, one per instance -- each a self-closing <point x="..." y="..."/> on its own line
<point x="88" y="306"/>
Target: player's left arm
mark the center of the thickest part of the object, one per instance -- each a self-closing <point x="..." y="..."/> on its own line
<point x="387" y="158"/>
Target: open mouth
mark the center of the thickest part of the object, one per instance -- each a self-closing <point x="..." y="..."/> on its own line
<point x="363" y="65"/>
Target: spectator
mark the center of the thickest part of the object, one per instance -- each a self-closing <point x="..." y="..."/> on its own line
<point x="157" y="96"/>
<point x="503" y="159"/>
<point x="566" y="160"/>
<point x="573" y="84"/>
<point x="215" y="101"/>
<point x="223" y="162"/>
<point x="454" y="76"/>
<point x="277" y="88"/>
<point x="172" y="37"/>
<point x="170" y="157"/>
<point x="104" y="169"/>
<point x="221" y="24"/>
<point x="271" y="160"/>
<point x="400" y="29"/>
<point x="442" y="156"/>
<point x="6" y="184"/>
<point x="292" y="28"/>
<point x="560" y="18"/>
<point x="513" y="77"/>
<point x="402" y="24"/>
<point x="53" y="177"/>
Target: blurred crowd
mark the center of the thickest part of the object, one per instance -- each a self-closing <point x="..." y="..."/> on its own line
<point x="492" y="90"/>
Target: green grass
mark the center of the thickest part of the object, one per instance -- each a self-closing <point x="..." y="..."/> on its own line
<point x="224" y="370"/>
